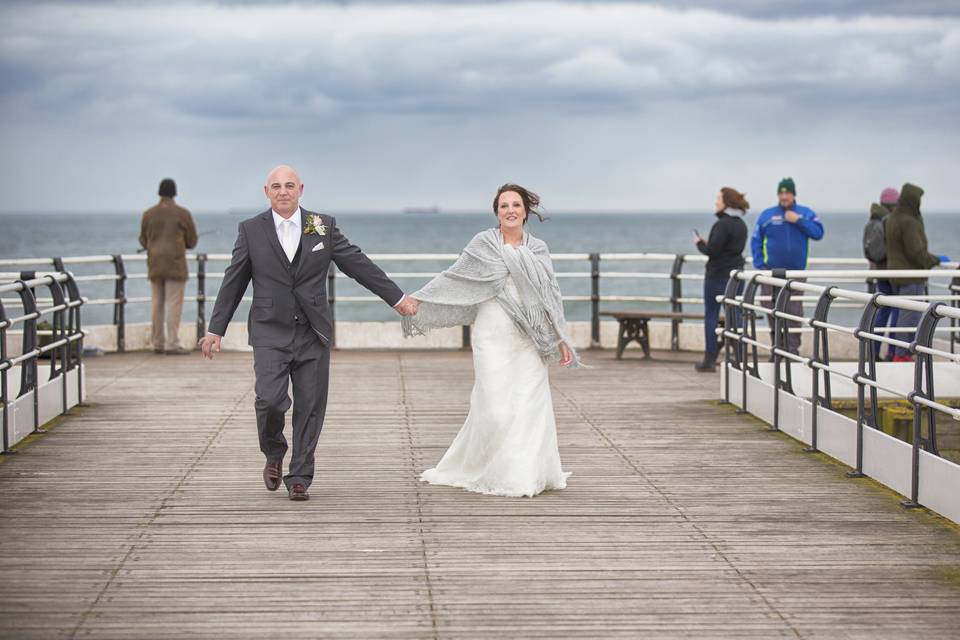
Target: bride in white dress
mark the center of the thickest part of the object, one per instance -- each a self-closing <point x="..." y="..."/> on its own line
<point x="508" y="444"/>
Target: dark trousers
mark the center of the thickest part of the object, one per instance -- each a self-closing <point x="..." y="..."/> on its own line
<point x="306" y="362"/>
<point x="908" y="318"/>
<point x="794" y="308"/>
<point x="886" y="317"/>
<point x="712" y="287"/>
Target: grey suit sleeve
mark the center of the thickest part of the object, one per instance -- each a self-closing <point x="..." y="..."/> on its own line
<point x="352" y="261"/>
<point x="234" y="285"/>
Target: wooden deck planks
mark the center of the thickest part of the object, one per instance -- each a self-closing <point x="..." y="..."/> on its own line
<point x="144" y="515"/>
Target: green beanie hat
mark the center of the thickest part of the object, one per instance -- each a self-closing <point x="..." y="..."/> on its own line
<point x="787" y="184"/>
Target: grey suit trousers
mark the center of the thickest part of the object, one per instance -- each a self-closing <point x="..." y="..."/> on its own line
<point x="306" y="363"/>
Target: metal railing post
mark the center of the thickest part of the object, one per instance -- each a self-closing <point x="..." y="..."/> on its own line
<point x="332" y="299"/>
<point x="74" y="327"/>
<point x="676" y="293"/>
<point x="781" y="342"/>
<point x="866" y="370"/>
<point x="64" y="322"/>
<point x="594" y="300"/>
<point x="731" y="324"/>
<point x="70" y="287"/>
<point x="120" y="304"/>
<point x="29" y="374"/>
<point x="59" y="333"/>
<point x="750" y="332"/>
<point x="954" y="337"/>
<point x="5" y="363"/>
<point x="821" y="355"/>
<point x="922" y="388"/>
<point x="201" y="295"/>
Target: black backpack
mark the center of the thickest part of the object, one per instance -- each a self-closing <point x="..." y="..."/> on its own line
<point x="874" y="241"/>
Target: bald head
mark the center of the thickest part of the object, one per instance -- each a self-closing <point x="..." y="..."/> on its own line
<point x="283" y="172"/>
<point x="283" y="189"/>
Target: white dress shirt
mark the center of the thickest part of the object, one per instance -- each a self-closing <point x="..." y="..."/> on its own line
<point x="288" y="231"/>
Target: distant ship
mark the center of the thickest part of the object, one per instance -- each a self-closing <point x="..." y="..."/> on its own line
<point x="433" y="209"/>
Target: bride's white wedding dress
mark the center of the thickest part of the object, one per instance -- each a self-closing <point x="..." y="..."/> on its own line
<point x="508" y="444"/>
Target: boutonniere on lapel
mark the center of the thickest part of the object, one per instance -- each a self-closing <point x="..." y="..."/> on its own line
<point x="315" y="225"/>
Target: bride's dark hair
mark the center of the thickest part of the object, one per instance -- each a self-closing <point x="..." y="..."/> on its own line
<point x="530" y="200"/>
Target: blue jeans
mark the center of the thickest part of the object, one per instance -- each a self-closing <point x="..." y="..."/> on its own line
<point x="908" y="318"/>
<point x="886" y="317"/>
<point x="713" y="287"/>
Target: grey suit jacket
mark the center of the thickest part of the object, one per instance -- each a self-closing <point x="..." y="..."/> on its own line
<point x="281" y="290"/>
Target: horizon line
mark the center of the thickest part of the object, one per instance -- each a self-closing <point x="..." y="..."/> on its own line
<point x="240" y="211"/>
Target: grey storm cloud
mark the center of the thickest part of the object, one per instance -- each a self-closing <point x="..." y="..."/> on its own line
<point x="321" y="60"/>
<point x="427" y="78"/>
<point x="766" y="8"/>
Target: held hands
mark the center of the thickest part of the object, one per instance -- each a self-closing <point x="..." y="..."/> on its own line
<point x="408" y="306"/>
<point x="791" y="216"/>
<point x="696" y="238"/>
<point x="208" y="344"/>
<point x="566" y="356"/>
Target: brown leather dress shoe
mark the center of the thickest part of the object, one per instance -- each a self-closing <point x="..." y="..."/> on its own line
<point x="272" y="475"/>
<point x="298" y="492"/>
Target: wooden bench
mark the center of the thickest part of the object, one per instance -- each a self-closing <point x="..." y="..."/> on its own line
<point x="634" y="326"/>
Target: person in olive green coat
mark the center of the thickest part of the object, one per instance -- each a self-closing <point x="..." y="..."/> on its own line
<point x="906" y="243"/>
<point x="166" y="232"/>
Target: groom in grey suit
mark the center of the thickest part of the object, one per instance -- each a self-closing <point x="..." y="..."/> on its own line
<point x="286" y="253"/>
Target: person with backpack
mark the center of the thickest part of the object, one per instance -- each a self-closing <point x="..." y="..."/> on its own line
<point x="875" y="251"/>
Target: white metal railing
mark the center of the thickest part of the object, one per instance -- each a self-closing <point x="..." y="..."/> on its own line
<point x="742" y="346"/>
<point x="23" y="412"/>
<point x="203" y="275"/>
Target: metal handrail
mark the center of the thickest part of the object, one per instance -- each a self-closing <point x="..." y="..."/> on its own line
<point x="742" y="347"/>
<point x="203" y="275"/>
<point x="65" y="349"/>
<point x="676" y="276"/>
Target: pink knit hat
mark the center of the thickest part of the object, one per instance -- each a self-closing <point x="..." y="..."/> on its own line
<point x="889" y="196"/>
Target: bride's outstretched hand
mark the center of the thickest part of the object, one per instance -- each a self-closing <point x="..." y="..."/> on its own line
<point x="566" y="356"/>
<point x="408" y="306"/>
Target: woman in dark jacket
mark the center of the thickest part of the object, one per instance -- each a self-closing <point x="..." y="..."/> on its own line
<point x="728" y="236"/>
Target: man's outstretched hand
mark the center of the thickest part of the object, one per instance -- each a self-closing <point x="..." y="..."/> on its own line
<point x="208" y="345"/>
<point x="408" y="306"/>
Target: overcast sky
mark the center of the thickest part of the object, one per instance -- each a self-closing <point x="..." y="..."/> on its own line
<point x="383" y="105"/>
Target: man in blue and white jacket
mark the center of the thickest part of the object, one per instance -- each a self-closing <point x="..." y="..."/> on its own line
<point x="781" y="240"/>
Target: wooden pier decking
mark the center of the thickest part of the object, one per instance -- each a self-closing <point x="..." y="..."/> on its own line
<point x="143" y="515"/>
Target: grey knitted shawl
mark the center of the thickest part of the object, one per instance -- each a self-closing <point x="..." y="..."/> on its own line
<point x="479" y="274"/>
